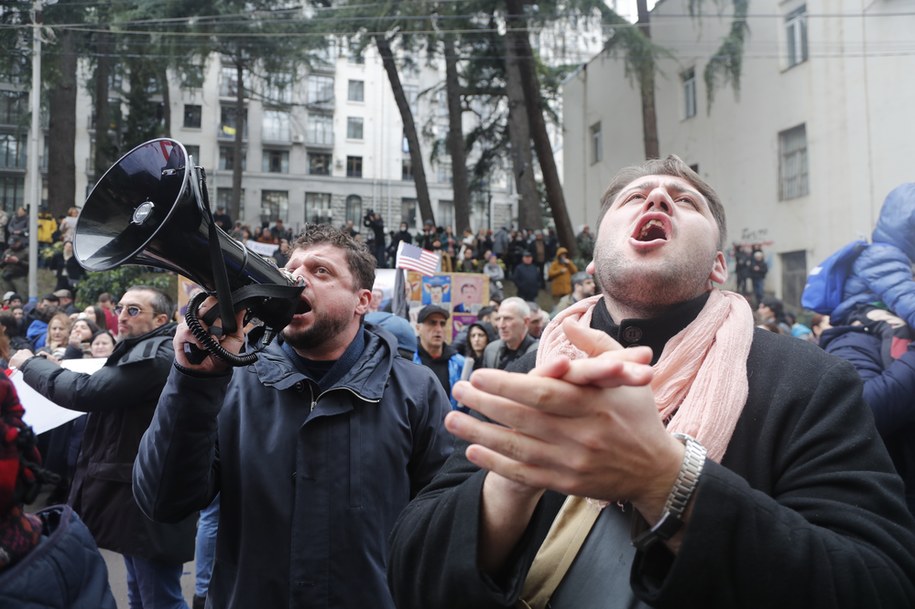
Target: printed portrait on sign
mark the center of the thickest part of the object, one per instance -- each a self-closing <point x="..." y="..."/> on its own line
<point x="437" y="291"/>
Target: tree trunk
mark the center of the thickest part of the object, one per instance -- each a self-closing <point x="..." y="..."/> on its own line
<point x="409" y="127"/>
<point x="517" y="29"/>
<point x="105" y="149"/>
<point x="646" y="87"/>
<point x="456" y="148"/>
<point x="62" y="123"/>
<point x="235" y="203"/>
<point x="529" y="214"/>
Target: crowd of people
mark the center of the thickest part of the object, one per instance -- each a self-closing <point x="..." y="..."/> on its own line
<point x="616" y="430"/>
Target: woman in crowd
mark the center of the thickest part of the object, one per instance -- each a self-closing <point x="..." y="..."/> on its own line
<point x="80" y="338"/>
<point x="102" y="344"/>
<point x="478" y="336"/>
<point x="12" y="329"/>
<point x="58" y="336"/>
<point x="96" y="315"/>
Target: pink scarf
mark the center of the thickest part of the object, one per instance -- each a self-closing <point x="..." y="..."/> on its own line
<point x="700" y="381"/>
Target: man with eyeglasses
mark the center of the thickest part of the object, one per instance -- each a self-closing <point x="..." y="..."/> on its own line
<point x="121" y="399"/>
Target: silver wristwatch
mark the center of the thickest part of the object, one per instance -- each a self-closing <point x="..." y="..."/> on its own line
<point x="687" y="478"/>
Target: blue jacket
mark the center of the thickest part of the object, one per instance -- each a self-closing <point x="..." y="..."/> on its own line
<point x="455" y="369"/>
<point x="311" y="481"/>
<point x="890" y="393"/>
<point x="883" y="271"/>
<point x="64" y="571"/>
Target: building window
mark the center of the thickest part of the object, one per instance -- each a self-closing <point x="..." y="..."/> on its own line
<point x="406" y="169"/>
<point x="274" y="205"/>
<point x="354" y="209"/>
<point x="597" y="144"/>
<point x="443" y="170"/>
<point x="228" y="122"/>
<point x="193" y="152"/>
<point x="193" y="75"/>
<point x="792" y="165"/>
<point x="320" y="90"/>
<point x="13" y="150"/>
<point x="796" y="36"/>
<point x="319" y="130"/>
<point x="13" y="106"/>
<point x="354" y="166"/>
<point x="794" y="276"/>
<point x="445" y="213"/>
<point x="227" y="158"/>
<point x="356" y="91"/>
<point x="354" y="127"/>
<point x="276" y="126"/>
<point x="689" y="93"/>
<point x="408" y="211"/>
<point x="317" y="208"/>
<point x="12" y="192"/>
<point x="319" y="164"/>
<point x="228" y="82"/>
<point x="224" y="198"/>
<point x="275" y="161"/>
<point x="192" y="116"/>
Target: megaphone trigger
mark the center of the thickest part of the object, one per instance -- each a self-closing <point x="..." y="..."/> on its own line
<point x="194" y="354"/>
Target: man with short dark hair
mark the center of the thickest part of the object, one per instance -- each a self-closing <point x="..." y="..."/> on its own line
<point x="527" y="277"/>
<point x="120" y="399"/>
<point x="582" y="287"/>
<point x="433" y="352"/>
<point x="65" y="302"/>
<point x="662" y="452"/>
<point x="314" y="448"/>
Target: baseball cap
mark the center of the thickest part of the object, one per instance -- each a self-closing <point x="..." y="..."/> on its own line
<point x="526" y="253"/>
<point x="63" y="293"/>
<point x="428" y="310"/>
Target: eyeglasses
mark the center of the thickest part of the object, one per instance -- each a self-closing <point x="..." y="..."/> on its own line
<point x="132" y="310"/>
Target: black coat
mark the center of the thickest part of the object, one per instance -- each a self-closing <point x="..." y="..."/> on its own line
<point x="805" y="511"/>
<point x="121" y="399"/>
<point x="527" y="280"/>
<point x="889" y="391"/>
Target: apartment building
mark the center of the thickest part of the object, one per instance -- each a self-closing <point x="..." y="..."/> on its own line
<point x="803" y="154"/>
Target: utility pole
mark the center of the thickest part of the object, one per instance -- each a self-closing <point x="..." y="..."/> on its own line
<point x="34" y="170"/>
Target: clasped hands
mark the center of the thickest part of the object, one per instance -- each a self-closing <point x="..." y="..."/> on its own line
<point x="587" y="427"/>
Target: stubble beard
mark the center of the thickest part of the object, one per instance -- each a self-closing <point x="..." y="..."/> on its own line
<point x="647" y="288"/>
<point x="324" y="329"/>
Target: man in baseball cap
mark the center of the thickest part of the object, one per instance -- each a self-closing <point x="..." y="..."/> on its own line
<point x="434" y="352"/>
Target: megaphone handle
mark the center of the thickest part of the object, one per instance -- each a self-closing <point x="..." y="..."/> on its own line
<point x="194" y="354"/>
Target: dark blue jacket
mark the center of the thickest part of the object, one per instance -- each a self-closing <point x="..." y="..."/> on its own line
<point x="882" y="273"/>
<point x="890" y="393"/>
<point x="527" y="280"/>
<point x="64" y="571"/>
<point x="311" y="481"/>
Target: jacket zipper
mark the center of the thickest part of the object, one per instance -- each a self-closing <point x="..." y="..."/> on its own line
<point x="314" y="401"/>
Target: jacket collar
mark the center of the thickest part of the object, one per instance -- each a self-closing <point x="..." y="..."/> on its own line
<point x="366" y="377"/>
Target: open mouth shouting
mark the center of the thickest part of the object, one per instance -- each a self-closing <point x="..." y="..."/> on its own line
<point x="652" y="227"/>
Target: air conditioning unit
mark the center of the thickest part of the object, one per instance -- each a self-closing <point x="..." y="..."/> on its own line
<point x="298" y="138"/>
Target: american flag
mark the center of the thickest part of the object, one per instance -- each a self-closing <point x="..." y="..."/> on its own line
<point x="415" y="258"/>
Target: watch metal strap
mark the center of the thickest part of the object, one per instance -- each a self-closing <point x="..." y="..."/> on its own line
<point x="687" y="478"/>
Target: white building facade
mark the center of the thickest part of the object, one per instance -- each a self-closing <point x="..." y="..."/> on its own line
<point x="328" y="148"/>
<point x="821" y="130"/>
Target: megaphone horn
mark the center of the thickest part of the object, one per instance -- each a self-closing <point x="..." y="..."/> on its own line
<point x="151" y="208"/>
